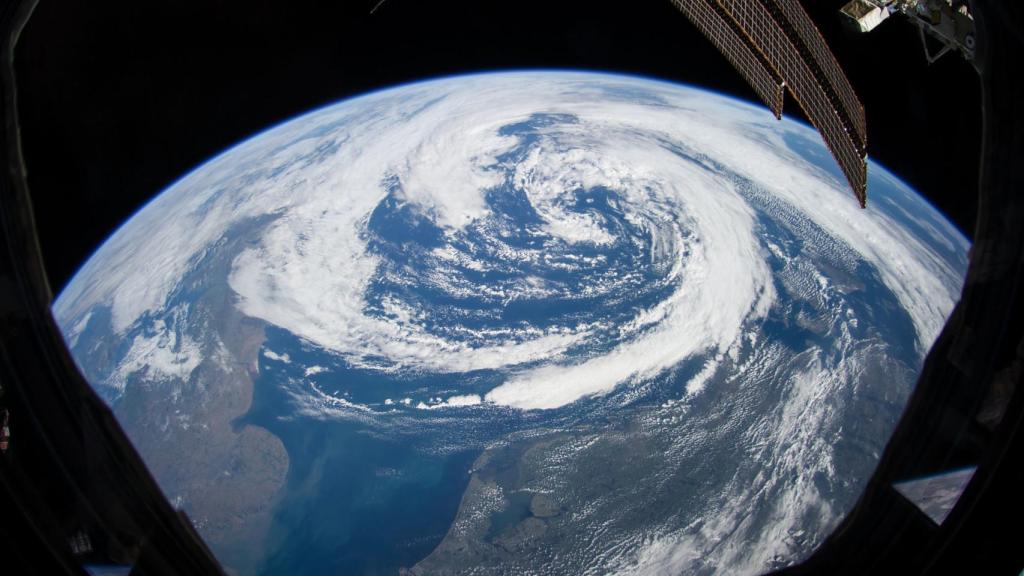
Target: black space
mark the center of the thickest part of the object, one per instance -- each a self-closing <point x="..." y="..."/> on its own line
<point x="119" y="99"/>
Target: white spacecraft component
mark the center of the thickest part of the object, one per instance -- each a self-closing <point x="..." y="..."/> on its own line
<point x="864" y="15"/>
<point x="947" y="22"/>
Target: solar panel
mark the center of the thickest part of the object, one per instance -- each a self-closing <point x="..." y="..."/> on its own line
<point x="787" y="46"/>
<point x="825" y="62"/>
<point x="730" y="40"/>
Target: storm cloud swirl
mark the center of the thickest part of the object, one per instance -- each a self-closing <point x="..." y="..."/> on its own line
<point x="676" y="291"/>
<point x="575" y="236"/>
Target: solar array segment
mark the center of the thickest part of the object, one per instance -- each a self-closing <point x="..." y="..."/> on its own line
<point x="774" y="44"/>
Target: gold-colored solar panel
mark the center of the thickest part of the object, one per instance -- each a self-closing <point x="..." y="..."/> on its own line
<point x="824" y="61"/>
<point x="726" y="36"/>
<point x="787" y="46"/>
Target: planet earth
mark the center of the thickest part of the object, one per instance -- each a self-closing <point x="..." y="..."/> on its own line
<point x="537" y="322"/>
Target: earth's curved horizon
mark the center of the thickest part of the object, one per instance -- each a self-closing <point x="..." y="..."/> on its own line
<point x="556" y="322"/>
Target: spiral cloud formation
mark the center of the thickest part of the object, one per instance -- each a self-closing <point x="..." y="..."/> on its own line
<point x="625" y="283"/>
<point x="674" y="241"/>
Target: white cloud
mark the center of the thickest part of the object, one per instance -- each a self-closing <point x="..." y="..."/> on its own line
<point x="314" y="370"/>
<point x="283" y="358"/>
<point x="162" y="352"/>
<point x="452" y="402"/>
